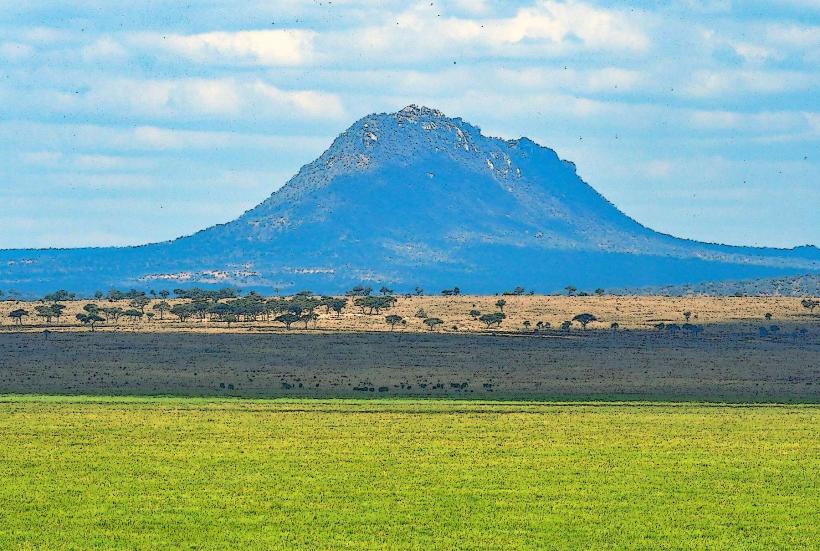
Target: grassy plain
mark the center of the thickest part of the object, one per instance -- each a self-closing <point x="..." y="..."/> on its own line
<point x="630" y="312"/>
<point x="726" y="363"/>
<point x="397" y="474"/>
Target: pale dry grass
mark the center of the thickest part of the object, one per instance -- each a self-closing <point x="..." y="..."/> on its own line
<point x="630" y="312"/>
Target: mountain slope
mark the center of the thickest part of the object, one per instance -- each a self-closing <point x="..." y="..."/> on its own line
<point x="416" y="198"/>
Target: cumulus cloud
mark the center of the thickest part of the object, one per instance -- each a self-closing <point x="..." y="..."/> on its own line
<point x="249" y="47"/>
<point x="189" y="98"/>
<point x="544" y="28"/>
<point x="712" y="83"/>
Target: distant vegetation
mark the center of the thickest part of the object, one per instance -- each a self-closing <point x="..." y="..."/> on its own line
<point x="304" y="310"/>
<point x="791" y="286"/>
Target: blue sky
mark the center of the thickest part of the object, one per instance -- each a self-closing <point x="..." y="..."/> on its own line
<point x="127" y="122"/>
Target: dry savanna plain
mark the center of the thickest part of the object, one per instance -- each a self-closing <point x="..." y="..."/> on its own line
<point x="347" y="434"/>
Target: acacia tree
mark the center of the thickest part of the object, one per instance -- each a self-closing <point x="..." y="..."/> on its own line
<point x="374" y="304"/>
<point x="18" y="315"/>
<point x="686" y="315"/>
<point x="140" y="302"/>
<point x="161" y="307"/>
<point x="133" y="313"/>
<point x="431" y="323"/>
<point x="337" y="305"/>
<point x="45" y="312"/>
<point x="393" y="320"/>
<point x="288" y="319"/>
<point x="182" y="311"/>
<point x="113" y="313"/>
<point x="90" y="319"/>
<point x="584" y="319"/>
<point x="570" y="290"/>
<point x="810" y="304"/>
<point x="493" y="319"/>
<point x="359" y="291"/>
<point x="501" y="303"/>
<point x="474" y="314"/>
<point x="309" y="317"/>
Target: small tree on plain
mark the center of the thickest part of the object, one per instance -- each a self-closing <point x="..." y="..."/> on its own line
<point x="501" y="303"/>
<point x="45" y="312"/>
<point x="686" y="315"/>
<point x="161" y="307"/>
<point x="337" y="305"/>
<point x="431" y="323"/>
<point x="90" y="319"/>
<point x="570" y="290"/>
<point x="810" y="304"/>
<point x="393" y="320"/>
<point x="18" y="315"/>
<point x="140" y="302"/>
<point x="584" y="319"/>
<point x="493" y="319"/>
<point x="287" y="319"/>
<point x="309" y="317"/>
<point x="134" y="314"/>
<point x="474" y="314"/>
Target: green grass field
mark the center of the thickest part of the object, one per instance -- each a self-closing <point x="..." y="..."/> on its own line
<point x="206" y="473"/>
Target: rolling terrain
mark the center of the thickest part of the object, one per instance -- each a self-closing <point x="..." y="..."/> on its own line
<point x="415" y="198"/>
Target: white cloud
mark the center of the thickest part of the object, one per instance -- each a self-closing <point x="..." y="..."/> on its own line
<point x="192" y="97"/>
<point x="83" y="162"/>
<point x="91" y="138"/>
<point x="767" y="122"/>
<point x="658" y="168"/>
<point x="15" y="51"/>
<point x="798" y="36"/>
<point x="547" y="28"/>
<point x="755" y="53"/>
<point x="607" y="79"/>
<point x="103" y="49"/>
<point x="252" y="47"/>
<point x="710" y="83"/>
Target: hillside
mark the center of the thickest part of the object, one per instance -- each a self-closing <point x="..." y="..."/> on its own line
<point x="415" y="198"/>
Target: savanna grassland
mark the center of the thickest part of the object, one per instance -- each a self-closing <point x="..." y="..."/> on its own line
<point x="629" y="312"/>
<point x="315" y="474"/>
<point x="200" y="434"/>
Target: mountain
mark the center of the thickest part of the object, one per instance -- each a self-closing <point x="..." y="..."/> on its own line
<point x="788" y="286"/>
<point x="415" y="198"/>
